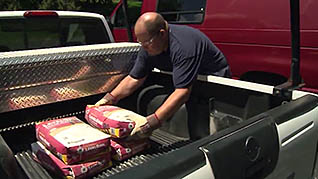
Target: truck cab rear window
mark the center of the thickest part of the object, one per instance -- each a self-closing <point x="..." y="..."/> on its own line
<point x="182" y="11"/>
<point x="35" y="33"/>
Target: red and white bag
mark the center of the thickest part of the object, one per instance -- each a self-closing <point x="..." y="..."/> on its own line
<point x="116" y="121"/>
<point x="82" y="170"/>
<point x="71" y="139"/>
<point x="123" y="149"/>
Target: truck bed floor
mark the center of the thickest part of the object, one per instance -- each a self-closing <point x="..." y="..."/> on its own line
<point x="161" y="143"/>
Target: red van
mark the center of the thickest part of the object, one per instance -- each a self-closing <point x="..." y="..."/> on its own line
<point x="254" y="36"/>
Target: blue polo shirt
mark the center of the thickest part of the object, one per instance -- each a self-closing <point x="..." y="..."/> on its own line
<point x="190" y="52"/>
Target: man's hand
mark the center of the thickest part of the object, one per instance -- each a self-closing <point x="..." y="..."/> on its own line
<point x="107" y="99"/>
<point x="144" y="127"/>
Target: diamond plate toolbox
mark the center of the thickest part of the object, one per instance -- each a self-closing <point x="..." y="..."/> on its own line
<point x="35" y="77"/>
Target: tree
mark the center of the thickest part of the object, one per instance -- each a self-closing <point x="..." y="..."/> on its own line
<point x="58" y="5"/>
<point x="103" y="7"/>
<point x="17" y="4"/>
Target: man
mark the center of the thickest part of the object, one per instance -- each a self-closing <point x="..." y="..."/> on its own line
<point x="185" y="51"/>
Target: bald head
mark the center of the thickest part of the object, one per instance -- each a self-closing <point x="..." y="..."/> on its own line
<point x="150" y="22"/>
<point x="151" y="31"/>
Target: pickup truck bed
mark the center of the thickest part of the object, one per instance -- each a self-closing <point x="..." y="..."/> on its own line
<point x="21" y="136"/>
<point x="33" y="169"/>
<point x="252" y="133"/>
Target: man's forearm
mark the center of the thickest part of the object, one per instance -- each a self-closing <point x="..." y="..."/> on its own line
<point x="173" y="103"/>
<point x="126" y="87"/>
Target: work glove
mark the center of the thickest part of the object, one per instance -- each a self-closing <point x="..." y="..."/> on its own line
<point x="144" y="127"/>
<point x="107" y="99"/>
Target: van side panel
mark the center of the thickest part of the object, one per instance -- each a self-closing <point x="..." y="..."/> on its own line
<point x="148" y="6"/>
<point x="255" y="37"/>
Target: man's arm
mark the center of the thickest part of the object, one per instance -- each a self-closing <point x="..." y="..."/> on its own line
<point x="144" y="127"/>
<point x="173" y="103"/>
<point x="126" y="87"/>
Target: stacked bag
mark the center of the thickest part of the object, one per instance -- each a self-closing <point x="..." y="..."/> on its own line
<point x="119" y="123"/>
<point x="72" y="148"/>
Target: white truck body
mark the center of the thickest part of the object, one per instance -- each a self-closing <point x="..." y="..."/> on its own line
<point x="36" y="29"/>
<point x="283" y="131"/>
<point x="254" y="132"/>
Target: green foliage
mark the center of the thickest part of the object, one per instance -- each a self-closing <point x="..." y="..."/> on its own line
<point x="58" y="5"/>
<point x="17" y="4"/>
<point x="103" y="7"/>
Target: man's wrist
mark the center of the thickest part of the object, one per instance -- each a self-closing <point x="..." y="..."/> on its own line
<point x="154" y="120"/>
<point x="153" y="123"/>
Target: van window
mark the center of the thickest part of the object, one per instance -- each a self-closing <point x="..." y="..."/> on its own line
<point x="182" y="11"/>
<point x="134" y="9"/>
<point x="36" y="33"/>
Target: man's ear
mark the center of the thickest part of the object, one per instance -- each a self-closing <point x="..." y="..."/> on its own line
<point x="163" y="33"/>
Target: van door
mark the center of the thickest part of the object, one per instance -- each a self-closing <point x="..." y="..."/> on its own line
<point x="117" y="19"/>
